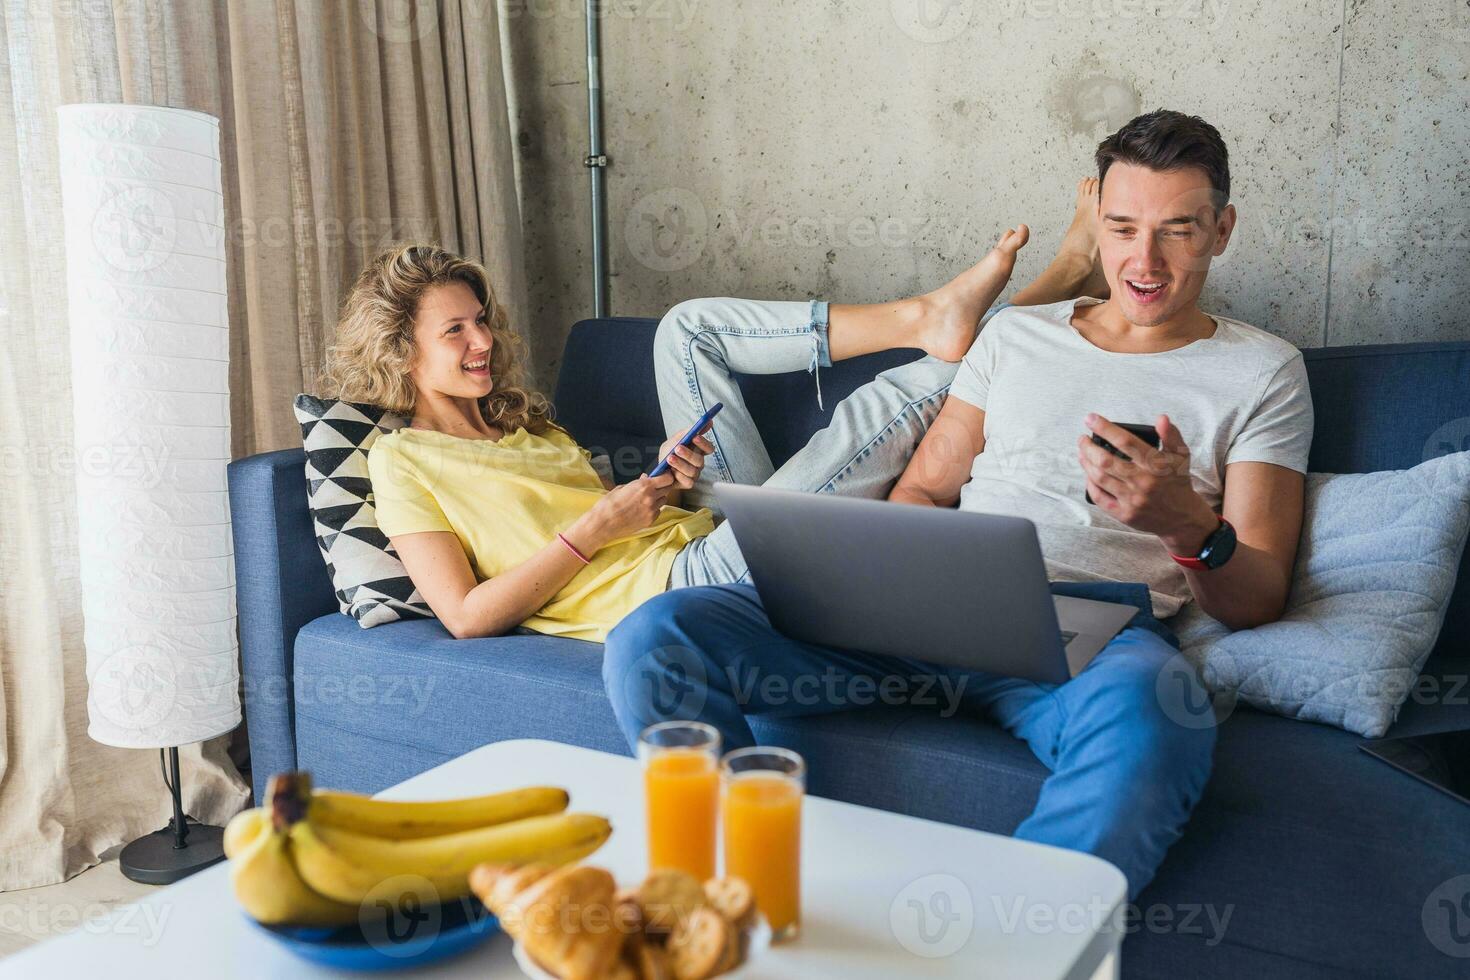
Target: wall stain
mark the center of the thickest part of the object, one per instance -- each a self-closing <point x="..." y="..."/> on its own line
<point x="1090" y="103"/>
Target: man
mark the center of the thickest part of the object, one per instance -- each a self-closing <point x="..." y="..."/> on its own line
<point x="1212" y="515"/>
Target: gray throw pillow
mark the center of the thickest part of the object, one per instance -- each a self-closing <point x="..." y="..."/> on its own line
<point x="1373" y="578"/>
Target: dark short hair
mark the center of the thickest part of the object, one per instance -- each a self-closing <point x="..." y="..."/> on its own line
<point x="1166" y="140"/>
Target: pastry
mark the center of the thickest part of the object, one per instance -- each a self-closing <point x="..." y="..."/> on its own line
<point x="560" y="926"/>
<point x="733" y="898"/>
<point x="667" y="897"/>
<point x="700" y="945"/>
<point x="653" y="963"/>
<point x="497" y="884"/>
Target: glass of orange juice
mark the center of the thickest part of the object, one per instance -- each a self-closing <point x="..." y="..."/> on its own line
<point x="681" y="786"/>
<point x="761" y="792"/>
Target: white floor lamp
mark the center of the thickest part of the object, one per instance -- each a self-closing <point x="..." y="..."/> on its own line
<point x="145" y="263"/>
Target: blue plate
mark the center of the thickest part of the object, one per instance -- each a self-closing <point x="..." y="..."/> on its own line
<point x="409" y="937"/>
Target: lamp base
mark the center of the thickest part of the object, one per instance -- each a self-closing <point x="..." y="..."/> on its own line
<point x="157" y="860"/>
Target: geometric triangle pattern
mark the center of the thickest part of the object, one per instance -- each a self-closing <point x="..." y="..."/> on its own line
<point x="372" y="585"/>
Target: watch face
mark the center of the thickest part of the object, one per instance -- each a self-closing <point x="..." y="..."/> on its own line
<point x="1219" y="546"/>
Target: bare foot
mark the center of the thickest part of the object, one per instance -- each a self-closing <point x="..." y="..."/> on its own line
<point x="1080" y="241"/>
<point x="1081" y="237"/>
<point x="951" y="314"/>
<point x="1076" y="269"/>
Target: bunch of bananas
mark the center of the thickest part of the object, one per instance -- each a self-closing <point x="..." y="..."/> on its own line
<point x="326" y="858"/>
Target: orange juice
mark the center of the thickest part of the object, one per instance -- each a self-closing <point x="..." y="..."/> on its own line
<point x="762" y="814"/>
<point x="682" y="789"/>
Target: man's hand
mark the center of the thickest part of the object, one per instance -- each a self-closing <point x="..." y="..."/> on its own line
<point x="1151" y="490"/>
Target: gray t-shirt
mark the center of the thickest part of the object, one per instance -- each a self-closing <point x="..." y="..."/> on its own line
<point x="1237" y="396"/>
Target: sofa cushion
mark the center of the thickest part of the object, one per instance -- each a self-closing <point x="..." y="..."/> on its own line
<point x="417" y="696"/>
<point x="1373" y="578"/>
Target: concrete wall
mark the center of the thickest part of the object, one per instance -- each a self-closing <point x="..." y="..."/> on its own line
<point x="865" y="149"/>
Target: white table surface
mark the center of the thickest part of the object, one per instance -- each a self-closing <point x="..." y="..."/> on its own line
<point x="884" y="895"/>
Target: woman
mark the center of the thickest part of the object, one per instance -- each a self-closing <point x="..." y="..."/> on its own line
<point x="499" y="516"/>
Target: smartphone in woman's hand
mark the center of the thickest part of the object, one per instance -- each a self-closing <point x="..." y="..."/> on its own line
<point x="694" y="432"/>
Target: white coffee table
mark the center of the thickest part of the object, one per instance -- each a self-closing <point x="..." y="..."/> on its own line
<point x="884" y="895"/>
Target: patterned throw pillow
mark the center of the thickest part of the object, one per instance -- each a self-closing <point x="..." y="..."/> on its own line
<point x="371" y="583"/>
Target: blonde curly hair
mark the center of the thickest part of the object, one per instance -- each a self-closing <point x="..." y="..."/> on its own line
<point x="374" y="349"/>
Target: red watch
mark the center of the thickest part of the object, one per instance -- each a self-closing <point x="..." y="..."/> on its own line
<point x="1218" y="548"/>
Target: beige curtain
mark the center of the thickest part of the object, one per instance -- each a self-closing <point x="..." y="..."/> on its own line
<point x="346" y="125"/>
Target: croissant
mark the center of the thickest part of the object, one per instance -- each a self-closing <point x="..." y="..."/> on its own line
<point x="562" y="917"/>
<point x="497" y="884"/>
<point x="577" y="926"/>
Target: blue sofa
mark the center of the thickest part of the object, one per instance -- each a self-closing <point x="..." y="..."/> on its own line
<point x="1322" y="856"/>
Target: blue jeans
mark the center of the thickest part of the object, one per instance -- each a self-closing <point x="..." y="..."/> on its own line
<point x="1129" y="740"/>
<point x="700" y="346"/>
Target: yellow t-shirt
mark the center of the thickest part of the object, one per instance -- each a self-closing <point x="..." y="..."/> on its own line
<point x="505" y="499"/>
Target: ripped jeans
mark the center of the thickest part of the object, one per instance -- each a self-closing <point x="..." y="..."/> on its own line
<point x="699" y="347"/>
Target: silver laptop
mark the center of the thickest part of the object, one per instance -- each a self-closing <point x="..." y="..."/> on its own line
<point x="933" y="584"/>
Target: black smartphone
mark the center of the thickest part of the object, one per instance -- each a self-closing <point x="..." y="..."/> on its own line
<point x="1147" y="433"/>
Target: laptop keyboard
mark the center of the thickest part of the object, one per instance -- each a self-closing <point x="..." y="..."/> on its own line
<point x="1068" y="636"/>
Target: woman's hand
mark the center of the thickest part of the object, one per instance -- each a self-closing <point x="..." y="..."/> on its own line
<point x="622" y="511"/>
<point x="686" y="462"/>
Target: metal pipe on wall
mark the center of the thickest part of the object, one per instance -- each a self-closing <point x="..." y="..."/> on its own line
<point x="596" y="161"/>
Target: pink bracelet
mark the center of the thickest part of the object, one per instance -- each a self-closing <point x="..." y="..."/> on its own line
<point x="573" y="549"/>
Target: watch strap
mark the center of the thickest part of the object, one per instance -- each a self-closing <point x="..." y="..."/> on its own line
<point x="1198" y="563"/>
